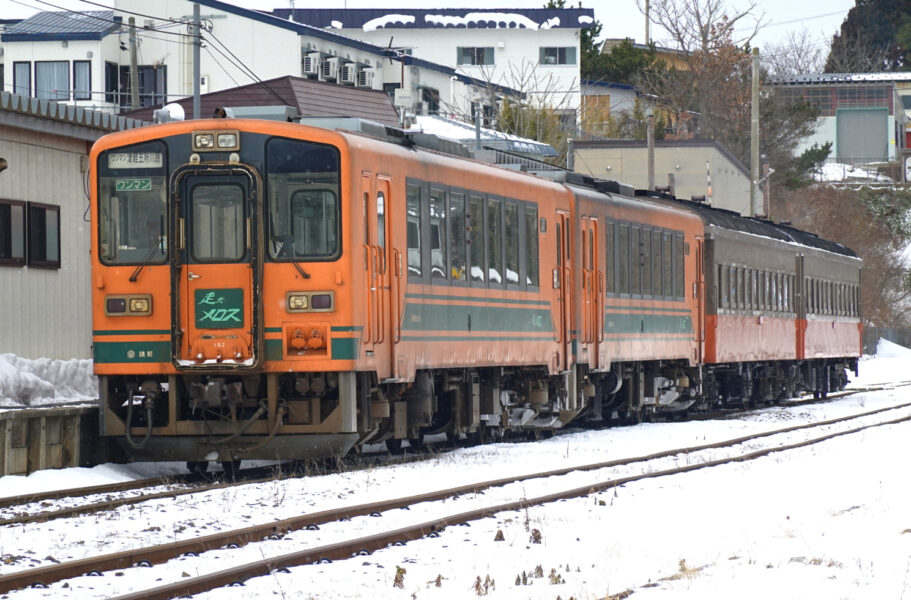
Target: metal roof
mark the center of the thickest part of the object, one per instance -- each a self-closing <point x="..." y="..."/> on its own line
<point x="62" y="119"/>
<point x="311" y="98"/>
<point x="841" y="78"/>
<point x="44" y="26"/>
<point x="369" y="19"/>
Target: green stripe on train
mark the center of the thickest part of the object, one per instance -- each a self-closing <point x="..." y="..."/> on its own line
<point x="646" y="323"/>
<point x="344" y="348"/>
<point x="132" y="352"/>
<point x="463" y="318"/>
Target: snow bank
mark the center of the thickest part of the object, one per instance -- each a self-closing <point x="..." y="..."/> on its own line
<point x="887" y="349"/>
<point x="43" y="381"/>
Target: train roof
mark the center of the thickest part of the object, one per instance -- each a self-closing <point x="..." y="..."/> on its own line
<point x="727" y="219"/>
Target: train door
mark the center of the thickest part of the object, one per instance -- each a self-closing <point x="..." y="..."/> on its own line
<point x="376" y="264"/>
<point x="563" y="280"/>
<point x="699" y="292"/>
<point x="216" y="312"/>
<point x="591" y="290"/>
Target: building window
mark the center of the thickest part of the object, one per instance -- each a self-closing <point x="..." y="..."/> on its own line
<point x="557" y="56"/>
<point x="22" y="78"/>
<point x="475" y="56"/>
<point x="43" y="235"/>
<point x="111" y="82"/>
<point x="82" y="80"/>
<point x="12" y="232"/>
<point x="52" y="80"/>
<point x="430" y="98"/>
<point x="153" y="88"/>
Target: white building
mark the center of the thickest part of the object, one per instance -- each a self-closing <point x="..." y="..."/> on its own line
<point x="83" y="57"/>
<point x="533" y="50"/>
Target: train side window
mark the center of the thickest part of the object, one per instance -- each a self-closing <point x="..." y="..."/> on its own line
<point x="635" y="262"/>
<point x="438" y="233"/>
<point x="532" y="263"/>
<point x="646" y="253"/>
<point x="476" y="237"/>
<point x="741" y="286"/>
<point x="748" y="288"/>
<point x="512" y="242"/>
<point x="656" y="264"/>
<point x="754" y="278"/>
<point x="611" y="253"/>
<point x="457" y="229"/>
<point x="735" y="286"/>
<point x="787" y="293"/>
<point x="413" y="224"/>
<point x="679" y="266"/>
<point x="723" y="274"/>
<point x="559" y="245"/>
<point x="381" y="219"/>
<point x="623" y="253"/>
<point x="667" y="264"/>
<point x="494" y="242"/>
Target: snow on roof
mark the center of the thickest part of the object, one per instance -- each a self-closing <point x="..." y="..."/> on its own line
<point x="385" y="21"/>
<point x="473" y="19"/>
<point x="464" y="133"/>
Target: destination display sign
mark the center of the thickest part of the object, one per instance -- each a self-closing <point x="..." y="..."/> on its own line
<point x="135" y="160"/>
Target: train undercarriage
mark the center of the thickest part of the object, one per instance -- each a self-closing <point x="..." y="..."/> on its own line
<point x="228" y="417"/>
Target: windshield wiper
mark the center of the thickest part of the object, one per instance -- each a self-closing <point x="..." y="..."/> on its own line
<point x="147" y="258"/>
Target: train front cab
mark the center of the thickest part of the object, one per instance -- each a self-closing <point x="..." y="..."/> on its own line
<point x="219" y="332"/>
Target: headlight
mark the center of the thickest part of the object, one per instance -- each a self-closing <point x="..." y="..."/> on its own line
<point x="296" y="302"/>
<point x="128" y="306"/>
<point x="203" y="141"/>
<point x="139" y="305"/>
<point x="227" y="140"/>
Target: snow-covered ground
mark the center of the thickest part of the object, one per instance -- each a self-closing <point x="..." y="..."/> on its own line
<point x="828" y="521"/>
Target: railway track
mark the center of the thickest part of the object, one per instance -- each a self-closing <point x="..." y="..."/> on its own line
<point x="56" y="504"/>
<point x="614" y="473"/>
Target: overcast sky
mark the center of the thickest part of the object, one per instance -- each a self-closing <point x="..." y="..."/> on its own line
<point x="619" y="18"/>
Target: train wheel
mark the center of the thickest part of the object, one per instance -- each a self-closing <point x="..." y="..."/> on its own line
<point x="231" y="467"/>
<point x="394" y="446"/>
<point x="197" y="467"/>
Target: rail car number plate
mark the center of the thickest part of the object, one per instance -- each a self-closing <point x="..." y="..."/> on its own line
<point x="134" y="185"/>
<point x="135" y="160"/>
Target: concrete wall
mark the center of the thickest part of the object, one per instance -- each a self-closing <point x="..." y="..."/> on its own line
<point x="697" y="171"/>
<point x="46" y="312"/>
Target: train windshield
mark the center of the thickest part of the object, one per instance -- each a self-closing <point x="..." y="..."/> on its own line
<point x="303" y="198"/>
<point x="132" y="205"/>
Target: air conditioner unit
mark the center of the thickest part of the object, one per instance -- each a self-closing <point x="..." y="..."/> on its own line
<point x="348" y="74"/>
<point x="311" y="63"/>
<point x="365" y="78"/>
<point x="328" y="69"/>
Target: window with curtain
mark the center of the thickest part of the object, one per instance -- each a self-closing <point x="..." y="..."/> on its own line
<point x="22" y="78"/>
<point x="82" y="80"/>
<point x="52" y="80"/>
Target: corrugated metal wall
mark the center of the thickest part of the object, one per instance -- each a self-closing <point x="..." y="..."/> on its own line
<point x="46" y="312"/>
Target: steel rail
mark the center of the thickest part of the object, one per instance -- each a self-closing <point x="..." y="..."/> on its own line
<point x="357" y="546"/>
<point x="164" y="552"/>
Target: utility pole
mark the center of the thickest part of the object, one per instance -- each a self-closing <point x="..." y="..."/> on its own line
<point x="647" y="33"/>
<point x="196" y="45"/>
<point x="754" y="135"/>
<point x="134" y="67"/>
<point x="650" y="143"/>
